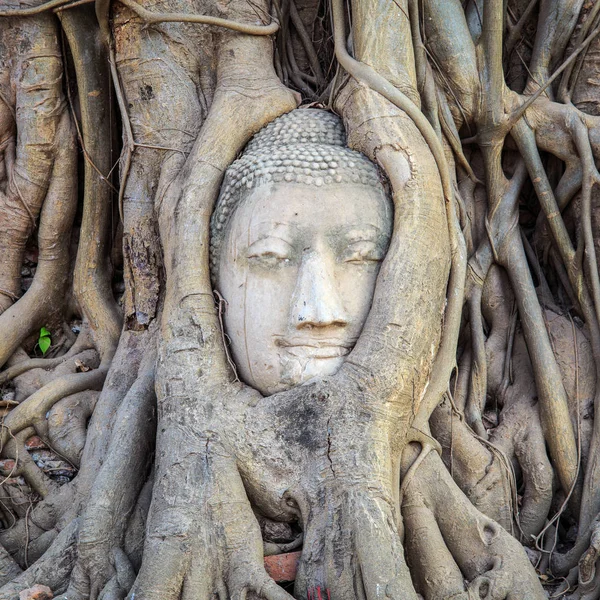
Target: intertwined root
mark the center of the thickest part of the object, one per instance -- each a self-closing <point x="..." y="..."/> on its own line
<point x="205" y="540"/>
<point x="53" y="569"/>
<point x="351" y="547"/>
<point x="448" y="540"/>
<point x="209" y="543"/>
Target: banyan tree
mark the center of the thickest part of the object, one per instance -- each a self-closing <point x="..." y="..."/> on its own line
<point x="311" y="278"/>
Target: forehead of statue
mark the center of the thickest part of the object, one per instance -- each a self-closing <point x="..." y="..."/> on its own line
<point x="297" y="211"/>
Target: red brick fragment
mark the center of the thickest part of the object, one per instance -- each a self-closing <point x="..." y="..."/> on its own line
<point x="7" y="465"/>
<point x="35" y="443"/>
<point x="283" y="567"/>
<point x="37" y="592"/>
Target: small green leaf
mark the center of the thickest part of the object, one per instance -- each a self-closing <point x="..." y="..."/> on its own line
<point x="44" y="341"/>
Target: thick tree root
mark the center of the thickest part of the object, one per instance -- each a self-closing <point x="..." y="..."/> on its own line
<point x="92" y="277"/>
<point x="44" y="300"/>
<point x="116" y="488"/>
<point x="349" y="528"/>
<point x="35" y="408"/>
<point x="9" y="569"/>
<point x="82" y="343"/>
<point x="448" y="539"/>
<point x="36" y="157"/>
<point x="67" y="424"/>
<point x="478" y="469"/>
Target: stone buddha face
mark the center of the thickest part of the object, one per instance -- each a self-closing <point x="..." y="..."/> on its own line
<point x="297" y="258"/>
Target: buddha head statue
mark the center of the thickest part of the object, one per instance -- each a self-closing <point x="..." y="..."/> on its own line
<point x="298" y="233"/>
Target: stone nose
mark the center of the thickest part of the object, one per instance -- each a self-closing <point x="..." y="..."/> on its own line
<point x="316" y="301"/>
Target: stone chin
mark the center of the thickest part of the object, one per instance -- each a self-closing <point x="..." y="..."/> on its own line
<point x="301" y="364"/>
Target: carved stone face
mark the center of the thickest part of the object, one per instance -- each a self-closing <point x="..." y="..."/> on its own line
<point x="298" y="269"/>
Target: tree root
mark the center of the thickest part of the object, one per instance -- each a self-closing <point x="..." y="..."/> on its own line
<point x="477" y="470"/>
<point x="34" y="549"/>
<point x="92" y="276"/>
<point x="33" y="380"/>
<point x="34" y="10"/>
<point x="25" y="465"/>
<point x="43" y="518"/>
<point x="160" y="17"/>
<point x="460" y="541"/>
<point x="44" y="299"/>
<point x="345" y="438"/>
<point x="272" y="549"/>
<point x="67" y="424"/>
<point x="9" y="569"/>
<point x="122" y="581"/>
<point x="36" y="151"/>
<point x="82" y="343"/>
<point x="34" y="409"/>
<point x="52" y="569"/>
<point x="115" y="490"/>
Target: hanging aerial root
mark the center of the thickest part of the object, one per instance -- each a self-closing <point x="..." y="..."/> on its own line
<point x="478" y="376"/>
<point x="446" y="356"/>
<point x="44" y="300"/>
<point x="34" y="10"/>
<point x="507" y="249"/>
<point x="570" y="258"/>
<point x="160" y="17"/>
<point x="479" y="266"/>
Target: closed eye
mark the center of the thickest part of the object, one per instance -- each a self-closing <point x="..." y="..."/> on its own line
<point x="363" y="251"/>
<point x="270" y="251"/>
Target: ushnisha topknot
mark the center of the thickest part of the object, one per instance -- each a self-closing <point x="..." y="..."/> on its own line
<point x="305" y="146"/>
